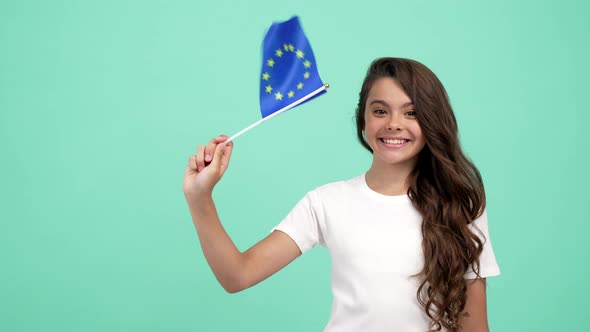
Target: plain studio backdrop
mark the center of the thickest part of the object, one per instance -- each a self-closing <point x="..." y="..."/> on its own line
<point x="103" y="102"/>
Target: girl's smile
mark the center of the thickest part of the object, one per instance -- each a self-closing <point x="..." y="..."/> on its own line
<point x="394" y="142"/>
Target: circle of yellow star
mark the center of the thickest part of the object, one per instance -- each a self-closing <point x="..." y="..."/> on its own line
<point x="291" y="94"/>
<point x="265" y="76"/>
<point x="270" y="62"/>
<point x="279" y="96"/>
<point x="268" y="89"/>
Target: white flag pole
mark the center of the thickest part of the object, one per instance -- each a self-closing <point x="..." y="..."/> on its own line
<point x="324" y="87"/>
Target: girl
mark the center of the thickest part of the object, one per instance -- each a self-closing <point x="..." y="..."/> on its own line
<point x="408" y="238"/>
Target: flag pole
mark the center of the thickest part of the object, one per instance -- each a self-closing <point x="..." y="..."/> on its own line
<point x="322" y="88"/>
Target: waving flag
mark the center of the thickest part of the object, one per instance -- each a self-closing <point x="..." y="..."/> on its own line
<point x="289" y="69"/>
<point x="289" y="75"/>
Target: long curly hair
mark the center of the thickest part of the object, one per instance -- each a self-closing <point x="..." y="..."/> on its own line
<point x="445" y="187"/>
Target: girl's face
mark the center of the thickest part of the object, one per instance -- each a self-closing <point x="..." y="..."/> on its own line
<point x="391" y="128"/>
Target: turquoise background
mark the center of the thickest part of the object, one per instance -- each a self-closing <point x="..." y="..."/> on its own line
<point x="103" y="102"/>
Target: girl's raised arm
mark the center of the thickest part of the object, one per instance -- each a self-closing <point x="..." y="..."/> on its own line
<point x="234" y="270"/>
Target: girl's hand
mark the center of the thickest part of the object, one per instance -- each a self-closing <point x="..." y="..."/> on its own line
<point x="207" y="167"/>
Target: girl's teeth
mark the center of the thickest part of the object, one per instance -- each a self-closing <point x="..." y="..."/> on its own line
<point x="394" y="141"/>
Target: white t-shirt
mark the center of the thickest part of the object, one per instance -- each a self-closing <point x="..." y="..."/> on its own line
<point x="375" y="242"/>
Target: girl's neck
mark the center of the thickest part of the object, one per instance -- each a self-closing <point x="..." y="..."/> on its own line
<point x="390" y="180"/>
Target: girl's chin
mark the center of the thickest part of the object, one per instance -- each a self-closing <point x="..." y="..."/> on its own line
<point x="389" y="159"/>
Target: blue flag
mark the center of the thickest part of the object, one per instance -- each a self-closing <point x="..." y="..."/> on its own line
<point x="289" y="70"/>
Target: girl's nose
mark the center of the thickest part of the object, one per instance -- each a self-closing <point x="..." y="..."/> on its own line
<point x="394" y="123"/>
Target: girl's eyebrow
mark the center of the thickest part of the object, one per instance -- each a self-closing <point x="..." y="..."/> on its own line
<point x="379" y="101"/>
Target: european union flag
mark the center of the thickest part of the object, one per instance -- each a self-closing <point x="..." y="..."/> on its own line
<point x="289" y="70"/>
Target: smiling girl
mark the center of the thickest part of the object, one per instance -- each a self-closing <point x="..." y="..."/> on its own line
<point x="408" y="238"/>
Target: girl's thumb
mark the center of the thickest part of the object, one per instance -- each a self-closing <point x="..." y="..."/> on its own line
<point x="219" y="151"/>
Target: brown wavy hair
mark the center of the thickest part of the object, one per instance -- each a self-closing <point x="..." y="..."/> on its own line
<point x="445" y="187"/>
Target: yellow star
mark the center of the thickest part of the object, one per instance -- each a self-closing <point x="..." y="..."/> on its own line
<point x="306" y="75"/>
<point x="300" y="86"/>
<point x="268" y="89"/>
<point x="270" y="62"/>
<point x="278" y="96"/>
<point x="265" y="76"/>
<point x="279" y="53"/>
<point x="291" y="94"/>
<point x="286" y="47"/>
<point x="300" y="54"/>
<point x="291" y="47"/>
<point x="306" y="64"/>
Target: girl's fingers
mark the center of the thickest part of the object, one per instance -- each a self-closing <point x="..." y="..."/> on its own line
<point x="200" y="158"/>
<point x="210" y="149"/>
<point x="206" y="154"/>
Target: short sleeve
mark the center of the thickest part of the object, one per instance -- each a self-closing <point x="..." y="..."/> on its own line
<point x="488" y="264"/>
<point x="302" y="223"/>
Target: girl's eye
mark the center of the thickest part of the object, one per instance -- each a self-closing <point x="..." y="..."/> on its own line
<point x="411" y="113"/>
<point x="379" y="112"/>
